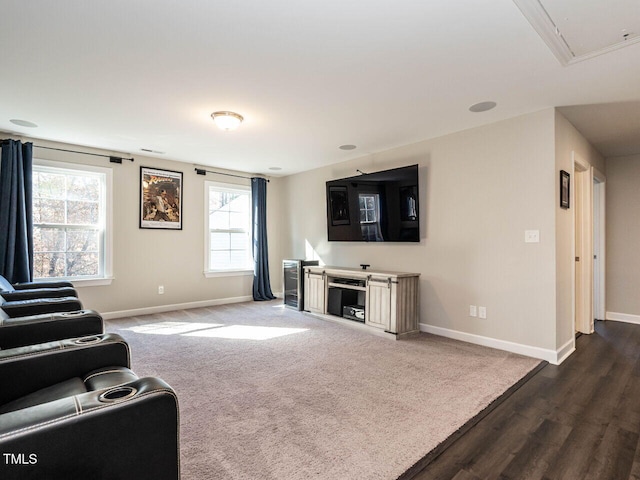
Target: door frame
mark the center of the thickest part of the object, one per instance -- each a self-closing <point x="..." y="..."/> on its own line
<point x="599" y="244"/>
<point x="582" y="244"/>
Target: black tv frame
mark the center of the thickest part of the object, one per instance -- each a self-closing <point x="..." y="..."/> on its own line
<point x="393" y="198"/>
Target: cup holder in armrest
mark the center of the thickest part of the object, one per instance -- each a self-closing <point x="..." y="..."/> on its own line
<point x="117" y="394"/>
<point x="90" y="340"/>
<point x="72" y="314"/>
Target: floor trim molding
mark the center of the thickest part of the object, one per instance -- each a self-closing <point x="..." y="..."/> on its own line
<point x="622" y="317"/>
<point x="554" y="357"/>
<point x="176" y="306"/>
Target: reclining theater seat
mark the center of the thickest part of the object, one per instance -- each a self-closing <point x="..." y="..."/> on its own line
<point x="22" y="299"/>
<point x="36" y="306"/>
<point x="75" y="408"/>
<point x="33" y="329"/>
<point x="32" y="285"/>
<point x="25" y="291"/>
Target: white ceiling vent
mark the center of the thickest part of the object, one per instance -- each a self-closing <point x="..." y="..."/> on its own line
<point x="576" y="30"/>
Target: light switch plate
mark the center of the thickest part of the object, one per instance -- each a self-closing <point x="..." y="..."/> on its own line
<point x="482" y="312"/>
<point x="532" y="236"/>
<point x="473" y="311"/>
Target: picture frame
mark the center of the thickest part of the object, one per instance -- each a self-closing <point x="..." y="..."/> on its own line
<point x="565" y="189"/>
<point x="160" y="199"/>
<point x="339" y="204"/>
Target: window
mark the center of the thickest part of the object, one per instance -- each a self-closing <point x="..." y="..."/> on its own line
<point x="228" y="228"/>
<point x="70" y="237"/>
<point x="370" y="217"/>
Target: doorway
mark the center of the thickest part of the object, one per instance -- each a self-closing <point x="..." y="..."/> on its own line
<point x="599" y="311"/>
<point x="589" y="234"/>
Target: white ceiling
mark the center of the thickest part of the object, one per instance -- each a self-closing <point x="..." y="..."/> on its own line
<point x="308" y="76"/>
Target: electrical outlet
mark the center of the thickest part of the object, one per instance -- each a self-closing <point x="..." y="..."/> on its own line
<point x="473" y="311"/>
<point x="532" y="236"/>
<point x="160" y="289"/>
<point x="482" y="312"/>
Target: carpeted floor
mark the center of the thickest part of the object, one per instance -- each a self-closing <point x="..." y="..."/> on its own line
<point x="270" y="393"/>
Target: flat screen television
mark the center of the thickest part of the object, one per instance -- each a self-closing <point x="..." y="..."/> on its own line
<point x="374" y="207"/>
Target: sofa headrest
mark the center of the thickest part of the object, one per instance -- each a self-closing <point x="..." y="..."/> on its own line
<point x="5" y="286"/>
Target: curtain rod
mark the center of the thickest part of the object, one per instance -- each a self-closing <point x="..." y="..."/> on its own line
<point x="203" y="171"/>
<point x="112" y="158"/>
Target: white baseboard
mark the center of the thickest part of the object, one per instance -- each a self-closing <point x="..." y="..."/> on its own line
<point x="554" y="357"/>
<point x="564" y="351"/>
<point x="175" y="306"/>
<point x="622" y="317"/>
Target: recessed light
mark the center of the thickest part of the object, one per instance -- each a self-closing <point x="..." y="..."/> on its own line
<point x="347" y="147"/>
<point x="482" y="107"/>
<point x="148" y="150"/>
<point x="23" y="123"/>
<point x="275" y="168"/>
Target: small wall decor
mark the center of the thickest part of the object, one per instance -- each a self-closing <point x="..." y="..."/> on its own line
<point x="565" y="185"/>
<point x="339" y="203"/>
<point x="160" y="199"/>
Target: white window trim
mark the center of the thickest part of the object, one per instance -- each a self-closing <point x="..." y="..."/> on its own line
<point x="107" y="275"/>
<point x="208" y="273"/>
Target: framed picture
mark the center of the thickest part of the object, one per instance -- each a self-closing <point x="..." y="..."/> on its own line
<point x="160" y="199"/>
<point x="565" y="185"/>
<point x="339" y="204"/>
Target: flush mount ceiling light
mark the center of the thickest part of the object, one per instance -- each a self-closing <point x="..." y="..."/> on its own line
<point x="347" y="147"/>
<point x="227" y="120"/>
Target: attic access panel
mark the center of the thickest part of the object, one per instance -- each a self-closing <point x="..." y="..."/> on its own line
<point x="576" y="30"/>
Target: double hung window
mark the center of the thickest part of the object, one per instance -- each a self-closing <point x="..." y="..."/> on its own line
<point x="70" y="215"/>
<point x="228" y="229"/>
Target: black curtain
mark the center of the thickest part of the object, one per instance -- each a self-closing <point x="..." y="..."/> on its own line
<point x="16" y="222"/>
<point x="261" y="283"/>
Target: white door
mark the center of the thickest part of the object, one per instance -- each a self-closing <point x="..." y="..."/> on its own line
<point x="599" y="311"/>
<point x="582" y="185"/>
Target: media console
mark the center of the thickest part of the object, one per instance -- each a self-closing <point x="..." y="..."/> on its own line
<point x="386" y="301"/>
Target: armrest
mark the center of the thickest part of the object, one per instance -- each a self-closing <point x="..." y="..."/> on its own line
<point x="34" y="329"/>
<point x="88" y="436"/>
<point x="30" y="285"/>
<point x="26" y="369"/>
<point x="24" y="308"/>
<point x="39" y="293"/>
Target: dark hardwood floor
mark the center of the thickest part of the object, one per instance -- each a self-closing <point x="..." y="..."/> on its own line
<point x="579" y="420"/>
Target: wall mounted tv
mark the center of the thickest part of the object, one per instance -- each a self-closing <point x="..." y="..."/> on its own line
<point x="374" y="207"/>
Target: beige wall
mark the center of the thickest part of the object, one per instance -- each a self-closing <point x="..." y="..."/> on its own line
<point x="568" y="140"/>
<point x="143" y="259"/>
<point x="480" y="190"/>
<point x="623" y="235"/>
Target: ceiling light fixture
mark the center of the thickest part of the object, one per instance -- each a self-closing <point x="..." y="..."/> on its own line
<point x="227" y="120"/>
<point x="347" y="147"/>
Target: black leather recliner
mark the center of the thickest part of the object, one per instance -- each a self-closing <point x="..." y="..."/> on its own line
<point x="30" y="290"/>
<point x="72" y="409"/>
<point x="31" y="285"/>
<point x="33" y="329"/>
<point x="33" y="298"/>
<point x="37" y="306"/>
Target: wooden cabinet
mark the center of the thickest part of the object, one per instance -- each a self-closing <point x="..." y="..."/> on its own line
<point x="378" y="307"/>
<point x="314" y="291"/>
<point x="390" y="300"/>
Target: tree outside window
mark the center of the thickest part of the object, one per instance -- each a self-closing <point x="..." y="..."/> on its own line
<point x="68" y="222"/>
